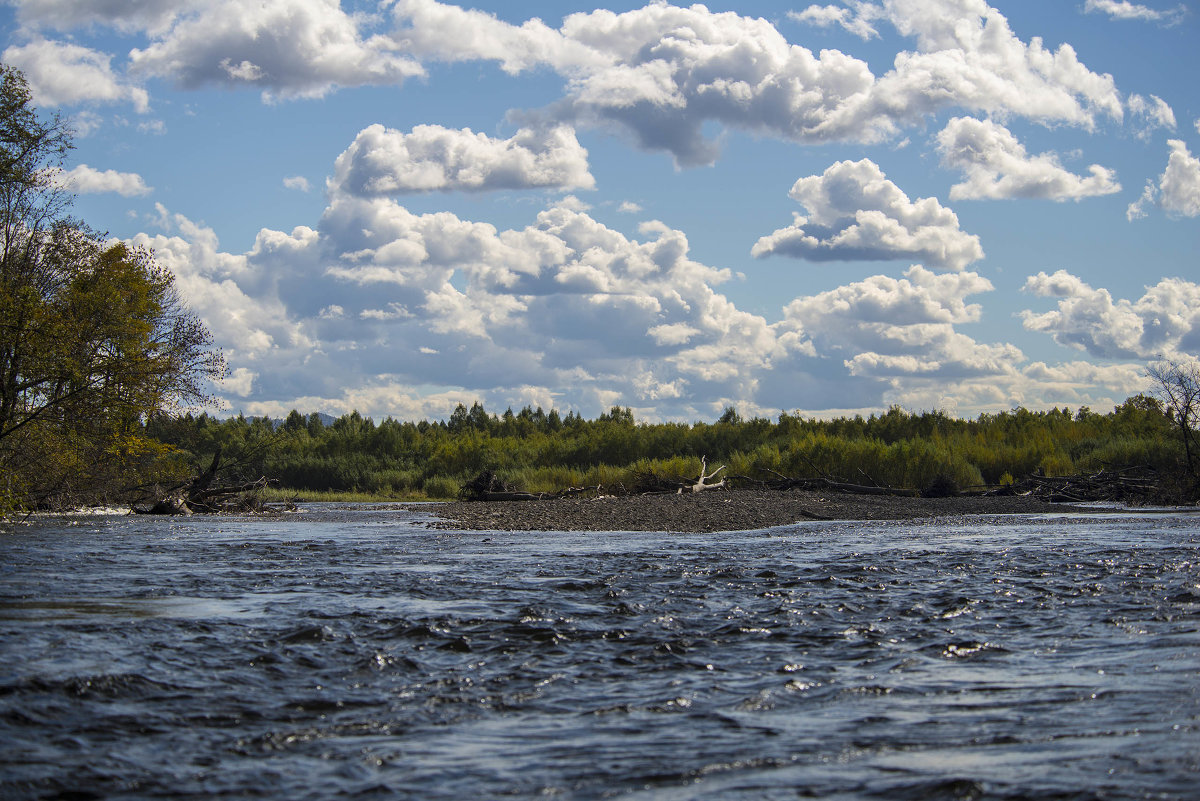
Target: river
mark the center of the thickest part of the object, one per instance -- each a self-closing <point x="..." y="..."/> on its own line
<point x="351" y="651"/>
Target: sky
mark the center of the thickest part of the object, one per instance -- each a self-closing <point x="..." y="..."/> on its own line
<point x="829" y="209"/>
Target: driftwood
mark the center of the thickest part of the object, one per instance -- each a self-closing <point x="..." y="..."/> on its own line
<point x="1131" y="485"/>
<point x="702" y="482"/>
<point x="649" y="483"/>
<point x="200" y="495"/>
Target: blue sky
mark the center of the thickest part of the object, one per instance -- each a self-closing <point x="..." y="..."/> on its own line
<point x="827" y="208"/>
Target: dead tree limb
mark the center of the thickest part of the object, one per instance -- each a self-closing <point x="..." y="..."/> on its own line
<point x="200" y="496"/>
<point x="702" y="482"/>
<point x="1130" y="485"/>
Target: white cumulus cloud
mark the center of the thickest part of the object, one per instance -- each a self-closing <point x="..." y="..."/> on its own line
<point x="124" y="15"/>
<point x="853" y="212"/>
<point x="87" y="180"/>
<point x="60" y="73"/>
<point x="240" y="381"/>
<point x="1177" y="190"/>
<point x="995" y="164"/>
<point x="1180" y="182"/>
<point x="1035" y="385"/>
<point x="892" y="327"/>
<point x="1163" y="323"/>
<point x="286" y="48"/>
<point x="383" y="161"/>
<point x="663" y="71"/>
<point x="231" y="292"/>
<point x="565" y="303"/>
<point x="968" y="56"/>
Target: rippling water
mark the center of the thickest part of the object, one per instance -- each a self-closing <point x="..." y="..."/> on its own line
<point x="350" y="652"/>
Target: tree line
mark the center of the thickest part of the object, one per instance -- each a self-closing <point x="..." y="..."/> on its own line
<point x="543" y="451"/>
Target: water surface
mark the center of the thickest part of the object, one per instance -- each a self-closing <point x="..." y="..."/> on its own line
<point x="352" y="652"/>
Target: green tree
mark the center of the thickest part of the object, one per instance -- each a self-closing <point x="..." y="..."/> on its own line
<point x="295" y="423"/>
<point x="94" y="337"/>
<point x="730" y="416"/>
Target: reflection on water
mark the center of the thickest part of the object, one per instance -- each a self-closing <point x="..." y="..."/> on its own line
<point x="349" y="651"/>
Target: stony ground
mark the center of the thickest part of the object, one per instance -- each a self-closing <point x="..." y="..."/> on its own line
<point x="734" y="510"/>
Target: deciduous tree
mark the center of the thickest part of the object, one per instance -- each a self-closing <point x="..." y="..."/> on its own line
<point x="1178" y="386"/>
<point x="93" y="334"/>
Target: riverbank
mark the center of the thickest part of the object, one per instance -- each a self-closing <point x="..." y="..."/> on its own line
<point x="733" y="510"/>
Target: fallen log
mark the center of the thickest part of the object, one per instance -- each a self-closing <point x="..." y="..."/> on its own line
<point x="200" y="496"/>
<point x="227" y="498"/>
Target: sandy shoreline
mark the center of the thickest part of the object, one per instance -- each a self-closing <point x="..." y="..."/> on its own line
<point x="734" y="510"/>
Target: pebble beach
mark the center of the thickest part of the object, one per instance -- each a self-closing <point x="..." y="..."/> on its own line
<point x="731" y="510"/>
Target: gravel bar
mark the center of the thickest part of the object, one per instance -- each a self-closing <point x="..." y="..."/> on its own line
<point x="731" y="510"/>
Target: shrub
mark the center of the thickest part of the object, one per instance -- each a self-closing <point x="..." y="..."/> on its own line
<point x="441" y="488"/>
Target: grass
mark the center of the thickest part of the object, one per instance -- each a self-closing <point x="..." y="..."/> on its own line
<point x="279" y="495"/>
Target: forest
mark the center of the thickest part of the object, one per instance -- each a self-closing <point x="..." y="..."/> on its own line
<point x="540" y="451"/>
